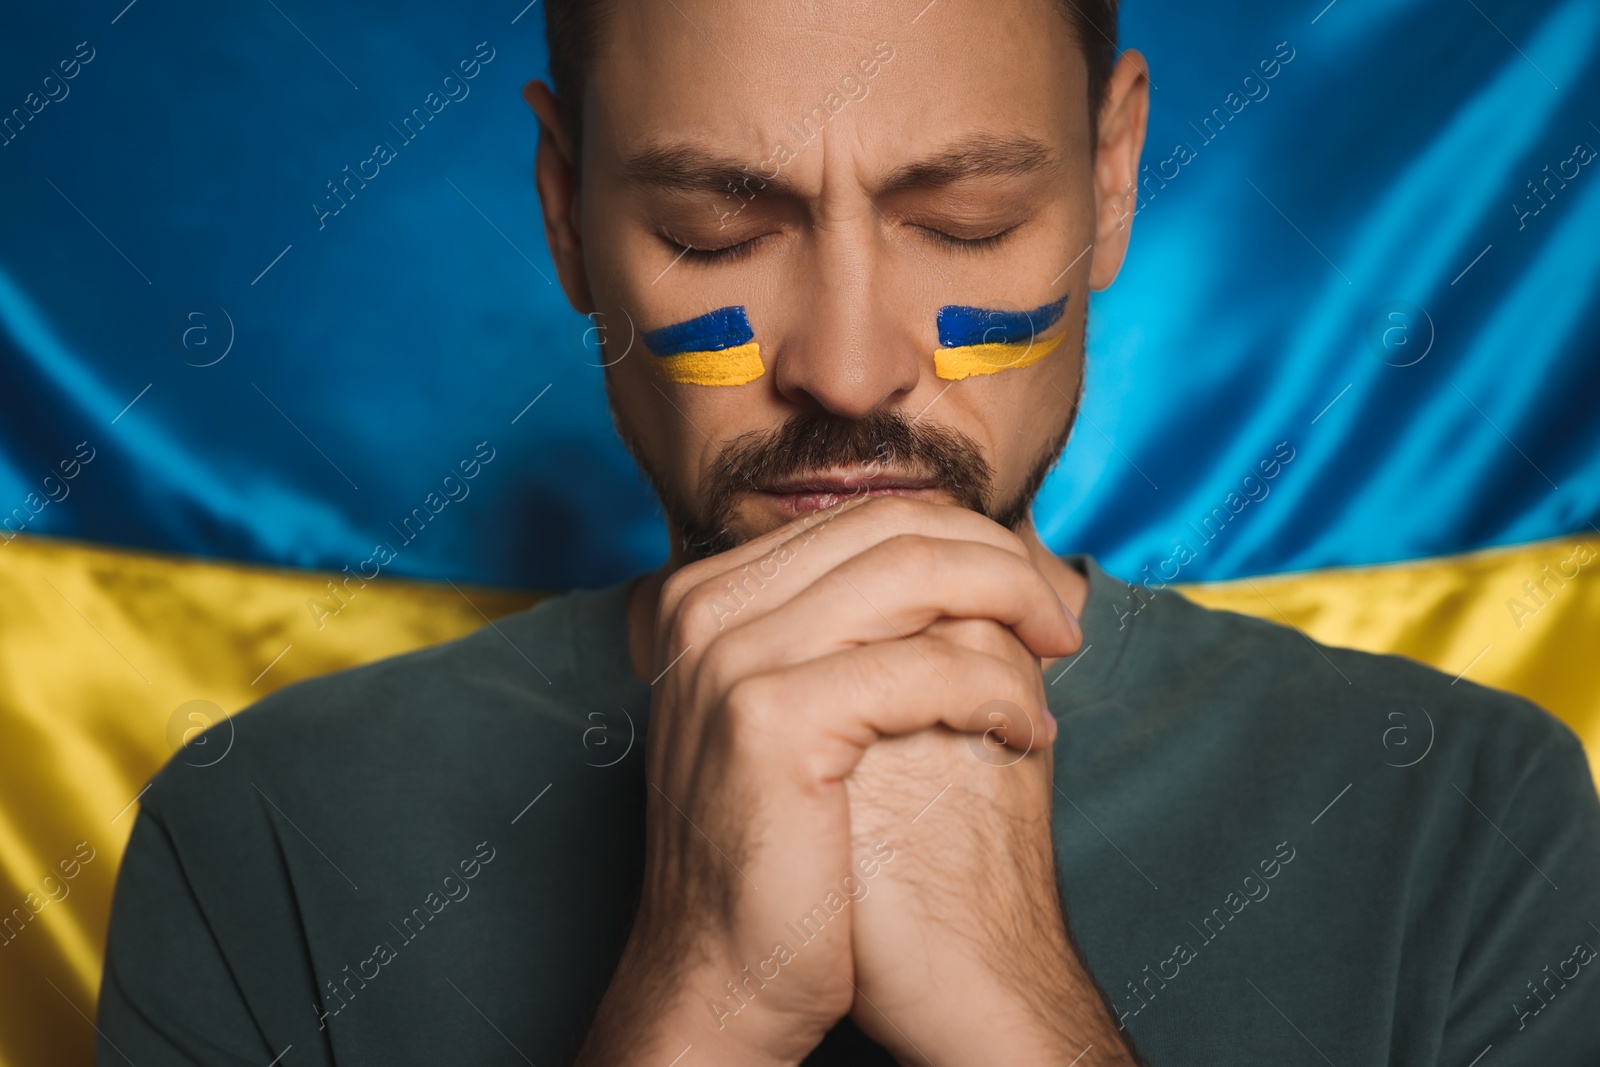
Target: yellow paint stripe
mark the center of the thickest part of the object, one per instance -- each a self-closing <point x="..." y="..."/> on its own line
<point x="727" y="366"/>
<point x="953" y="364"/>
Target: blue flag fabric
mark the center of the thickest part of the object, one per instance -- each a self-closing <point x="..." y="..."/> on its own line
<point x="281" y="270"/>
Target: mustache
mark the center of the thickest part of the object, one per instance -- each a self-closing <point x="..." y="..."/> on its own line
<point x="813" y="442"/>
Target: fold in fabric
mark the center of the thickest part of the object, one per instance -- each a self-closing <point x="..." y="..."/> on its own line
<point x="95" y="697"/>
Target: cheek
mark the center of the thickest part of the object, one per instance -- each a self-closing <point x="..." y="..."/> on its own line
<point x="1028" y="412"/>
<point x="677" y="429"/>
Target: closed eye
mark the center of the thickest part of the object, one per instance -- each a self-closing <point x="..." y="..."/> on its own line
<point x="967" y="244"/>
<point x="703" y="254"/>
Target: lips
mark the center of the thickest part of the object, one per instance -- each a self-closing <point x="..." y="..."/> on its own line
<point x="799" y="496"/>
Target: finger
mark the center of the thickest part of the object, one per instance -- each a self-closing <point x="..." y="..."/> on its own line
<point x="992" y="639"/>
<point x="743" y="584"/>
<point x="983" y="635"/>
<point x="894" y="590"/>
<point x="828" y="710"/>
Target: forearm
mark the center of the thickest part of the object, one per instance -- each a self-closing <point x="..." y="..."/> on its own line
<point x="1061" y="1019"/>
<point x="1073" y="1022"/>
<point x="1066" y="1017"/>
<point x="1079" y="1026"/>
<point x="963" y="949"/>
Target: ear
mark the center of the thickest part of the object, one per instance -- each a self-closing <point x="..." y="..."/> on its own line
<point x="556" y="175"/>
<point x="1123" y="117"/>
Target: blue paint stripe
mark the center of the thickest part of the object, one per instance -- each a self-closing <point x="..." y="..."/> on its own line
<point x="962" y="326"/>
<point x="711" y="332"/>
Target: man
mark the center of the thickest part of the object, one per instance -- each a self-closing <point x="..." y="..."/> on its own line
<point x="863" y="773"/>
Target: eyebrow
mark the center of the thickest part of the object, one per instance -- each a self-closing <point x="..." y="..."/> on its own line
<point x="685" y="168"/>
<point x="979" y="155"/>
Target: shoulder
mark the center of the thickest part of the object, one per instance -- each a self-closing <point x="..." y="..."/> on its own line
<point x="354" y="807"/>
<point x="511" y="693"/>
<point x="1394" y="704"/>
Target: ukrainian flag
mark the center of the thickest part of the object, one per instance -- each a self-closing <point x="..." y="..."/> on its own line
<point x="297" y="390"/>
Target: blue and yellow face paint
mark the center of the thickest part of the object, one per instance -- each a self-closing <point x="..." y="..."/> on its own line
<point x="717" y="348"/>
<point x="983" y="341"/>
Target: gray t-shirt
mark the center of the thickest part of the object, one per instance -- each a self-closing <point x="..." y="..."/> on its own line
<point x="1271" y="852"/>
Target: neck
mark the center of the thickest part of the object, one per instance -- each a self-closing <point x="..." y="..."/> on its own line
<point x="645" y="596"/>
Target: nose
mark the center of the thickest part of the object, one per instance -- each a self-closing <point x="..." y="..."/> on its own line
<point x="849" y="350"/>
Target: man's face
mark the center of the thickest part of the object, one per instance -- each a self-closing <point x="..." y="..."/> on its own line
<point x="842" y="172"/>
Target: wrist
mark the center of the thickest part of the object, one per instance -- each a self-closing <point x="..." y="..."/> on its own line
<point x="674" y="1008"/>
<point x="1051" y="1016"/>
<point x="683" y="1034"/>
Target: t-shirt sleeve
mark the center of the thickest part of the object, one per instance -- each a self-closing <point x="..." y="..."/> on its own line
<point x="1528" y="982"/>
<point x="167" y="994"/>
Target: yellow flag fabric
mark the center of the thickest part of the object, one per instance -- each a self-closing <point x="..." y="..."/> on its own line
<point x="105" y="656"/>
<point x="110" y="659"/>
<point x="1524" y="619"/>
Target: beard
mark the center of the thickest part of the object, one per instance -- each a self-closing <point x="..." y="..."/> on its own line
<point x="811" y="442"/>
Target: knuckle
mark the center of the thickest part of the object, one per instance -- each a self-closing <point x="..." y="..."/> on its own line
<point x="1033" y="707"/>
<point x="679" y="582"/>
<point x="996" y="639"/>
<point x="679" y="635"/>
<point x="746" y="700"/>
<point x="1024" y="690"/>
<point x="950" y="657"/>
<point x="699" y="613"/>
<point x="1002" y="681"/>
<point x="911" y="550"/>
<point x="1005" y="681"/>
<point x="980" y="635"/>
<point x="1013" y="541"/>
<point x="718" y="670"/>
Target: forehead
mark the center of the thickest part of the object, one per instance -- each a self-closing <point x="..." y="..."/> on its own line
<point x="885" y="77"/>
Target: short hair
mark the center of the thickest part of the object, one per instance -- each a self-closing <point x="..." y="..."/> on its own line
<point x="572" y="32"/>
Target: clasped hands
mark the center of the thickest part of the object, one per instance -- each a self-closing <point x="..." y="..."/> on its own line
<point x="850" y="781"/>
